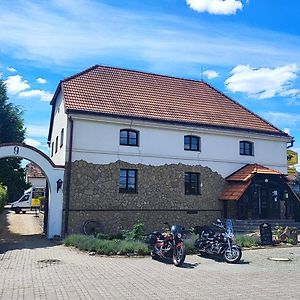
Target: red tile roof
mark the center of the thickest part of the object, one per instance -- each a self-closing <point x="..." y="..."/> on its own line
<point x="249" y="171"/>
<point x="239" y="181"/>
<point x="234" y="191"/>
<point x="127" y="93"/>
<point x="33" y="171"/>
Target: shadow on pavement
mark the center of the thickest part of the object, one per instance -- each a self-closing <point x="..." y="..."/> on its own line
<point x="185" y="265"/>
<point x="222" y="260"/>
<point x="13" y="241"/>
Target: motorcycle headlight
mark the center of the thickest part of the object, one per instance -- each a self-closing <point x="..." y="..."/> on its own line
<point x="231" y="235"/>
<point x="179" y="235"/>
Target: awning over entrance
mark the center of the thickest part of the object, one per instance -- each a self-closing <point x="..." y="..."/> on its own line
<point x="258" y="192"/>
<point x="239" y="181"/>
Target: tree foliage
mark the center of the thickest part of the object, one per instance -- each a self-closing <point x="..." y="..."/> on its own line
<point x="11" y="130"/>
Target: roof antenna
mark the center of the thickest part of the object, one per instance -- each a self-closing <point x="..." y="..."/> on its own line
<point x="201" y="73"/>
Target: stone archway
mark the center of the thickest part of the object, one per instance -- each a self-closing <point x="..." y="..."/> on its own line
<point x="52" y="172"/>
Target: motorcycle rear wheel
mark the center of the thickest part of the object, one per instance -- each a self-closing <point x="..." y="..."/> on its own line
<point x="234" y="255"/>
<point x="179" y="255"/>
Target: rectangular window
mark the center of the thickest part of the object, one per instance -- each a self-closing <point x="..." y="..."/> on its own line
<point x="52" y="148"/>
<point x="191" y="143"/>
<point x="61" y="138"/>
<point x="128" y="181"/>
<point x="56" y="144"/>
<point x="246" y="148"/>
<point x="192" y="183"/>
<point x="129" y="137"/>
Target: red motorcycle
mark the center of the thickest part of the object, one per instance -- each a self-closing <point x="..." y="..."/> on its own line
<point x="168" y="244"/>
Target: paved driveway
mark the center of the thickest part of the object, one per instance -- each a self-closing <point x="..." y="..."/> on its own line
<point x="33" y="268"/>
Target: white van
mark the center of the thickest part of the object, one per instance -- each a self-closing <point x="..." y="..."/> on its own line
<point x="31" y="199"/>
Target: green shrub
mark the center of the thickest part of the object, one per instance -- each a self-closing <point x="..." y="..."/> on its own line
<point x="277" y="231"/>
<point x="3" y="196"/>
<point x="107" y="247"/>
<point x="247" y="241"/>
<point x="137" y="232"/>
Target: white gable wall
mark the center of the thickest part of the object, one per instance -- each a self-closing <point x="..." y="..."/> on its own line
<point x="37" y="181"/>
<point x="97" y="141"/>
<point x="60" y="121"/>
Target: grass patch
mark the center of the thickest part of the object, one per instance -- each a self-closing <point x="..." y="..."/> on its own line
<point x="247" y="241"/>
<point x="107" y="247"/>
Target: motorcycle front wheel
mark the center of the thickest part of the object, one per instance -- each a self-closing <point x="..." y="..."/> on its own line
<point x="179" y="255"/>
<point x="154" y="255"/>
<point x="234" y="255"/>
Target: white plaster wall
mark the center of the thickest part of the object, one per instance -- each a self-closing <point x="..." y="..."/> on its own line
<point x="37" y="182"/>
<point x="97" y="141"/>
<point x="60" y="121"/>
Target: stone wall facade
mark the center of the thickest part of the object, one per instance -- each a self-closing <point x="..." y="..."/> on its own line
<point x="160" y="196"/>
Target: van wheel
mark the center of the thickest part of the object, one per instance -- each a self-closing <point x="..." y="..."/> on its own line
<point x="23" y="211"/>
<point x="17" y="210"/>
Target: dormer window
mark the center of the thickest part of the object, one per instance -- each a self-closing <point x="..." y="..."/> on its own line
<point x="246" y="148"/>
<point x="129" y="137"/>
<point x="191" y="143"/>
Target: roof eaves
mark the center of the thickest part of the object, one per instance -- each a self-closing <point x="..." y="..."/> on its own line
<point x="53" y="103"/>
<point x="80" y="73"/>
<point x="205" y="125"/>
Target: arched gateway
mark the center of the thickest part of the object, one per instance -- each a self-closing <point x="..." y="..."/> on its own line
<point x="53" y="174"/>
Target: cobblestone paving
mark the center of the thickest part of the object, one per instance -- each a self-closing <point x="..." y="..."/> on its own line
<point x="39" y="269"/>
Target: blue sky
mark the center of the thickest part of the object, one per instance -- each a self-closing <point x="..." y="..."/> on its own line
<point x="250" y="50"/>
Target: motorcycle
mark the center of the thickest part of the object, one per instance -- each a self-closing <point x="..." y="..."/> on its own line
<point x="168" y="244"/>
<point x="221" y="244"/>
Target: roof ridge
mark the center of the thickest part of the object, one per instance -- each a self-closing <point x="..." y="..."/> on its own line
<point x="80" y="73"/>
<point x="245" y="108"/>
<point x="129" y="70"/>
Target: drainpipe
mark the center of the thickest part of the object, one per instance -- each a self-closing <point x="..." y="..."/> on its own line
<point x="292" y="144"/>
<point x="69" y="167"/>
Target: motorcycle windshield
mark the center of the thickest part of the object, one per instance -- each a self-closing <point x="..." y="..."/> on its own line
<point x="229" y="226"/>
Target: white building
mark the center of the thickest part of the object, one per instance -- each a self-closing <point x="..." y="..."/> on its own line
<point x="108" y="116"/>
<point x="35" y="176"/>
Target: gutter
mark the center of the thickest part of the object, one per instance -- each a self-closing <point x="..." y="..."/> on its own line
<point x="68" y="179"/>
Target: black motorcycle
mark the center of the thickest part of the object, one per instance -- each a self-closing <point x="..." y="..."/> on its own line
<point x="221" y="244"/>
<point x="168" y="244"/>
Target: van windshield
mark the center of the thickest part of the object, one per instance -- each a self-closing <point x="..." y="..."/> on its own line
<point x="24" y="198"/>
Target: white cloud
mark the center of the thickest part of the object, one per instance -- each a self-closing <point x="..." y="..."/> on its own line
<point x="294" y="102"/>
<point x="34" y="130"/>
<point x="216" y="7"/>
<point x="159" y="40"/>
<point x="264" y="82"/>
<point x="10" y="69"/>
<point x="287" y="130"/>
<point x="32" y="142"/>
<point x="15" y="84"/>
<point x="43" y="95"/>
<point x="41" y="80"/>
<point x="282" y="119"/>
<point x="210" y="74"/>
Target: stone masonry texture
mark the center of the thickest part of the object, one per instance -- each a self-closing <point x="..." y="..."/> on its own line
<point x="160" y="196"/>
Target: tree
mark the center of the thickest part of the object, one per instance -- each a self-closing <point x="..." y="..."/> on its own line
<point x="11" y="130"/>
